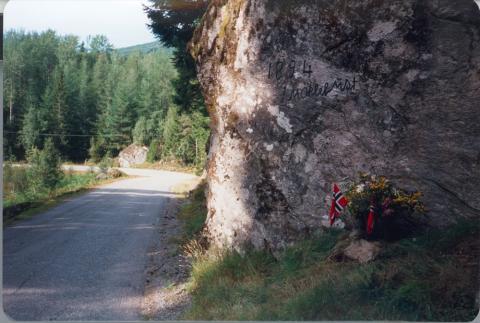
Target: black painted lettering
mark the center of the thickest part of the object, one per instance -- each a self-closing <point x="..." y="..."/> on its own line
<point x="291" y="69"/>
<point x="279" y="69"/>
<point x="303" y="92"/>
<point x="307" y="69"/>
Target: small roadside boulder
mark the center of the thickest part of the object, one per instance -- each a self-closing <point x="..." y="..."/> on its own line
<point x="362" y="250"/>
<point x="101" y="176"/>
<point x="132" y="155"/>
<point x="114" y="173"/>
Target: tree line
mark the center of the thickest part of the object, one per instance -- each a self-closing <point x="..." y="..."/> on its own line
<point x="91" y="101"/>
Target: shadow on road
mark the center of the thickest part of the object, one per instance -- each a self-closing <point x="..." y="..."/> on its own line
<point x="85" y="259"/>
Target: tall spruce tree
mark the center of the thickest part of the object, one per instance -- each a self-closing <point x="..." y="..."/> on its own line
<point x="54" y="101"/>
<point x="34" y="124"/>
<point x="173" y="22"/>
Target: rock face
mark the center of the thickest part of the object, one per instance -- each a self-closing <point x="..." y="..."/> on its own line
<point x="132" y="155"/>
<point x="306" y="93"/>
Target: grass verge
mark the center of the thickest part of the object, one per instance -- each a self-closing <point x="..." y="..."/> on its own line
<point x="193" y="212"/>
<point x="432" y="277"/>
<point x="23" y="204"/>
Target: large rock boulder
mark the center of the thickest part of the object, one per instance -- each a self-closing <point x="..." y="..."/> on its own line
<point x="132" y="155"/>
<point x="306" y="93"/>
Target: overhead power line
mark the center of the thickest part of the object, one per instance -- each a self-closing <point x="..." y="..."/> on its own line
<point x="66" y="135"/>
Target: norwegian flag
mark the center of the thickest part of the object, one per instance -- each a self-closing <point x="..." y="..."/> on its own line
<point x="371" y="219"/>
<point x="338" y="203"/>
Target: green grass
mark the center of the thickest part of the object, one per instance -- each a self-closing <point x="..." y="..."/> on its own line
<point x="21" y="201"/>
<point x="433" y="277"/>
<point x="193" y="213"/>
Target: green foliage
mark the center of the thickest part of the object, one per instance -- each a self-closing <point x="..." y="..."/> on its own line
<point x="174" y="22"/>
<point x="141" y="132"/>
<point x="15" y="180"/>
<point x="148" y="129"/>
<point x="396" y="211"/>
<point x="105" y="164"/>
<point x="171" y="134"/>
<point x="45" y="167"/>
<point x="195" y="134"/>
<point x="185" y="137"/>
<point x="21" y="199"/>
<point x="54" y="85"/>
<point x="96" y="150"/>
<point x="431" y="277"/>
<point x="412" y="280"/>
<point x="93" y="102"/>
<point x="34" y="123"/>
<point x="74" y="181"/>
<point x="99" y="44"/>
<point x="153" y="151"/>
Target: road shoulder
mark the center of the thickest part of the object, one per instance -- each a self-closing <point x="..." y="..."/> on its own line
<point x="167" y="272"/>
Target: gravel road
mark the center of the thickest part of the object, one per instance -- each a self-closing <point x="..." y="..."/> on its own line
<point x="86" y="258"/>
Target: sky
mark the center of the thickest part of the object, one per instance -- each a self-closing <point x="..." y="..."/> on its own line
<point x="122" y="21"/>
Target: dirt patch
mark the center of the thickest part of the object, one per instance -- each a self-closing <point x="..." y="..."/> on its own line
<point x="167" y="272"/>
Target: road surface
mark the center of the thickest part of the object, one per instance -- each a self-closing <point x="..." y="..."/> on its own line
<point x="85" y="258"/>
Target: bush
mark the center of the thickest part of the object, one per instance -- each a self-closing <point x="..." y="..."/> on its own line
<point x="395" y="210"/>
<point x="153" y="151"/>
<point x="45" y="170"/>
<point x="105" y="164"/>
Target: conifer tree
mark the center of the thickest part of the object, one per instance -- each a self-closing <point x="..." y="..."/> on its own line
<point x="45" y="171"/>
<point x="88" y="99"/>
<point x="173" y="22"/>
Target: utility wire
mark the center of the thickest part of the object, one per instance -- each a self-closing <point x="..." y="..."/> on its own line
<point x="65" y="135"/>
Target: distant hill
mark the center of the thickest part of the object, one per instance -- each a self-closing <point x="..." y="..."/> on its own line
<point x="144" y="48"/>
